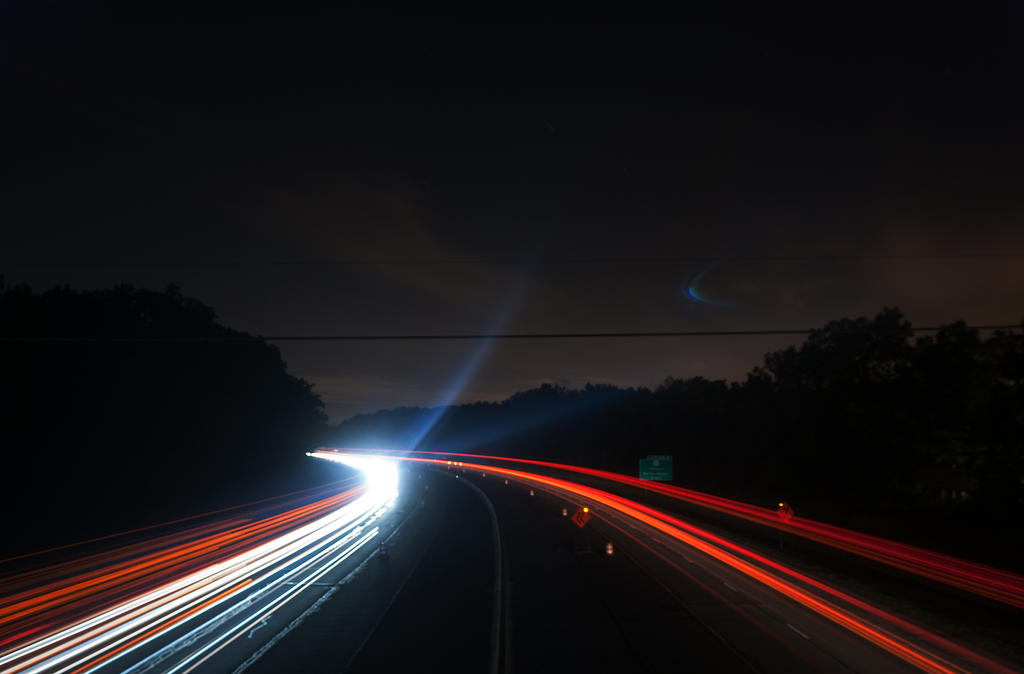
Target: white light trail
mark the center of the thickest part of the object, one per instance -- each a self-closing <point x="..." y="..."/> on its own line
<point x="286" y="564"/>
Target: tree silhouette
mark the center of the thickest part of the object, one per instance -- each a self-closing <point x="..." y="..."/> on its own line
<point x="860" y="423"/>
<point x="123" y="405"/>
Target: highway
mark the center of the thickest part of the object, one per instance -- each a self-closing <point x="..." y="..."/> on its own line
<point x="484" y="570"/>
<point x="975" y="578"/>
<point x="178" y="604"/>
<point x="764" y="615"/>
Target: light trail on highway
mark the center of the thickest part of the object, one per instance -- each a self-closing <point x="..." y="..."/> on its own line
<point x="1002" y="586"/>
<point x="172" y="603"/>
<point x="911" y="643"/>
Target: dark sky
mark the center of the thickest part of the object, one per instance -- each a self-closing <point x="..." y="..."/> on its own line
<point x="337" y="174"/>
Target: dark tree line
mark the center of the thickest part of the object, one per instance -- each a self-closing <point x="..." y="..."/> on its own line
<point x="861" y="422"/>
<point x="124" y="406"/>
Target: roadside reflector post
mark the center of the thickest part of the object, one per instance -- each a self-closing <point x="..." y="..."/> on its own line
<point x="565" y="512"/>
<point x="785" y="511"/>
<point x="531" y="492"/>
<point x="506" y="481"/>
<point x="785" y="514"/>
<point x="609" y="549"/>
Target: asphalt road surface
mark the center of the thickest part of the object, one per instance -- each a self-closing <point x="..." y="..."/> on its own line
<point x="484" y="571"/>
<point x="426" y="607"/>
<point x="564" y="604"/>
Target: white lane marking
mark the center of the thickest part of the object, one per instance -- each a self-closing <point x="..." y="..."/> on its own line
<point x="498" y="599"/>
<point x="263" y="623"/>
<point x="797" y="631"/>
<point x="317" y="604"/>
<point x="729" y="586"/>
<point x="222" y="641"/>
<point x="280" y="635"/>
<point x="333" y="543"/>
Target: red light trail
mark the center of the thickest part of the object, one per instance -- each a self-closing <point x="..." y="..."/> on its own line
<point x="972" y="577"/>
<point x="836" y="606"/>
<point x="178" y="599"/>
<point x="83" y="614"/>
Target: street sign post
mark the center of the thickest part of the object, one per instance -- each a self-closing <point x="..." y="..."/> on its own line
<point x="581" y="517"/>
<point x="656" y="467"/>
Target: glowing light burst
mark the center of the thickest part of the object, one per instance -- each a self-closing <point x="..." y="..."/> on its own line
<point x="381" y="473"/>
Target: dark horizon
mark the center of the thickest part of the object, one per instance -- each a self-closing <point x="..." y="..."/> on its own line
<point x="333" y="341"/>
<point x="789" y="336"/>
<point x="330" y="174"/>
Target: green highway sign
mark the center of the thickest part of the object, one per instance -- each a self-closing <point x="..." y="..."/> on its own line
<point x="656" y="467"/>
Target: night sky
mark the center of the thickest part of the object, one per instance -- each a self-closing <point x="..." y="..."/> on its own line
<point x="339" y="174"/>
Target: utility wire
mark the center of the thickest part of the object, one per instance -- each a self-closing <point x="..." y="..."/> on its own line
<point x="502" y="336"/>
<point x="605" y="335"/>
<point x="520" y="261"/>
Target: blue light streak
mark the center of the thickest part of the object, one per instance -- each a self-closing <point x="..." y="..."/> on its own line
<point x="691" y="290"/>
<point x="469" y="368"/>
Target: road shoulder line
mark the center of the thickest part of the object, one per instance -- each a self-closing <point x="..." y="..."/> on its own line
<point x="498" y="594"/>
<point x="317" y="604"/>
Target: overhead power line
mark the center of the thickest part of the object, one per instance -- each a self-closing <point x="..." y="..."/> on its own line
<point x="502" y="336"/>
<point x="513" y="261"/>
<point x="601" y="335"/>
